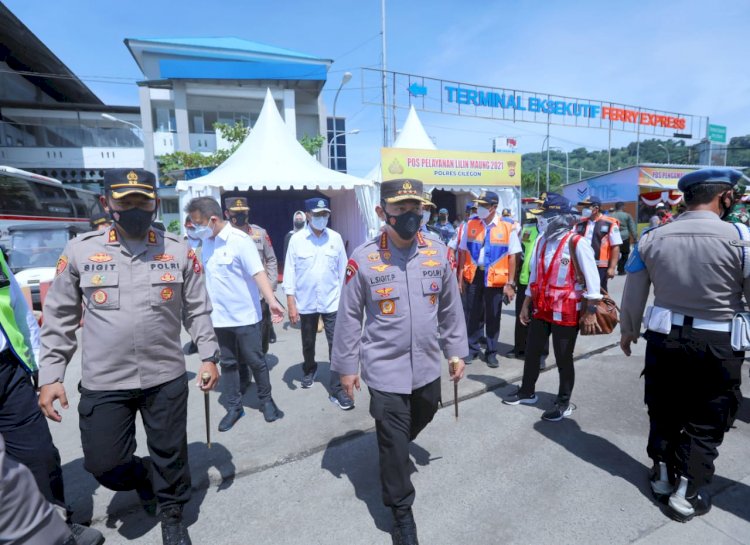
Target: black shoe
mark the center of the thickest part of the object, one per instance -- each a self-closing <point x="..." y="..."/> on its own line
<point x="404" y="528"/>
<point x="270" y="411"/>
<point x="230" y="419"/>
<point x="173" y="531"/>
<point x="309" y="379"/>
<point x="512" y="354"/>
<point x="84" y="535"/>
<point x="344" y="402"/>
<point x="491" y="359"/>
<point x="557" y="413"/>
<point x="517" y="399"/>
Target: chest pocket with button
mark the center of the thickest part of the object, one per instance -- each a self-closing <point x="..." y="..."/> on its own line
<point x="431" y="288"/>
<point x="332" y="258"/>
<point x="166" y="287"/>
<point x="220" y="262"/>
<point x="385" y="300"/>
<point x="101" y="291"/>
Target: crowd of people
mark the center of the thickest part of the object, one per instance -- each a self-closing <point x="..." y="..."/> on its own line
<point x="417" y="294"/>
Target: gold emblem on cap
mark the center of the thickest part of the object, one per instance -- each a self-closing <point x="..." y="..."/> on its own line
<point x="238" y="203"/>
<point x="132" y="178"/>
<point x="395" y="167"/>
<point x="407" y="186"/>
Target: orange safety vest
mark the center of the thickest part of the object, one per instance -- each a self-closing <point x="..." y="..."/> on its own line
<point x="555" y="295"/>
<point x="598" y="234"/>
<point x="495" y="252"/>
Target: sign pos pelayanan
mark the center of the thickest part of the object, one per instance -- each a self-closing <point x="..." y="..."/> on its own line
<point x="469" y="168"/>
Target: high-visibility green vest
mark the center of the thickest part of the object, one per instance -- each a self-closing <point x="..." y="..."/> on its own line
<point x="529" y="234"/>
<point x="10" y="327"/>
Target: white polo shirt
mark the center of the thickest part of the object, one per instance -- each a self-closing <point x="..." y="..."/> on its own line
<point x="314" y="270"/>
<point x="231" y="261"/>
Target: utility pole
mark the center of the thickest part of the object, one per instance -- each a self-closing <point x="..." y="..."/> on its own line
<point x="385" y="80"/>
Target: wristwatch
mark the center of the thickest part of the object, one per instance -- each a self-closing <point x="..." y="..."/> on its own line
<point x="213" y="359"/>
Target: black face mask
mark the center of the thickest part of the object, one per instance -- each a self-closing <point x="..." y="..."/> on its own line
<point x="299" y="224"/>
<point x="135" y="221"/>
<point x="406" y="225"/>
<point x="239" y="219"/>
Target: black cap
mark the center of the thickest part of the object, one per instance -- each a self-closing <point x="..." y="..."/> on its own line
<point x="727" y="176"/>
<point x="236" y="204"/>
<point x="401" y="190"/>
<point x="554" y="202"/>
<point x="119" y="182"/>
<point x="488" y="197"/>
<point x="591" y="201"/>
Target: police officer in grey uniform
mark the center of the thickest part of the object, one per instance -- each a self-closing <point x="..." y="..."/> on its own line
<point x="237" y="211"/>
<point x="692" y="375"/>
<point x="131" y="284"/>
<point x="399" y="282"/>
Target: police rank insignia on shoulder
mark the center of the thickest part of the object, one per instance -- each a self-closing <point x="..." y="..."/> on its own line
<point x="100" y="258"/>
<point x="62" y="263"/>
<point x="112" y="236"/>
<point x="151" y="237"/>
<point x="163" y="257"/>
<point x="351" y="270"/>
<point x="430" y="263"/>
<point x="99" y="297"/>
<point x="388" y="306"/>
<point x="380" y="268"/>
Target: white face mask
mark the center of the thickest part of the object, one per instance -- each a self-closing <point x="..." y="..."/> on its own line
<point x="541" y="224"/>
<point x="586" y="213"/>
<point x="483" y="212"/>
<point x="319" y="222"/>
<point x="426" y="216"/>
<point x="201" y="232"/>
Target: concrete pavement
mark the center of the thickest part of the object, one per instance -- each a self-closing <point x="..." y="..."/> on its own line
<point x="498" y="475"/>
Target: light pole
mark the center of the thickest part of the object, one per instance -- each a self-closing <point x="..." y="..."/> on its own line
<point x="344" y="80"/>
<point x="333" y="140"/>
<point x="567" y="179"/>
<point x="662" y="146"/>
<point x="113" y="118"/>
<point x="546" y="141"/>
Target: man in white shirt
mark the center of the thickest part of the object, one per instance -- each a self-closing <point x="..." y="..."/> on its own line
<point x="603" y="233"/>
<point x="235" y="280"/>
<point x="314" y="271"/>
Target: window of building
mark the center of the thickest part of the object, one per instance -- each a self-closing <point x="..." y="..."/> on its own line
<point x="336" y="140"/>
<point x="170" y="206"/>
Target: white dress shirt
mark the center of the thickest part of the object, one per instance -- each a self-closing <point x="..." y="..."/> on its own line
<point x="231" y="261"/>
<point x="314" y="270"/>
<point x="25" y="320"/>
<point x="584" y="256"/>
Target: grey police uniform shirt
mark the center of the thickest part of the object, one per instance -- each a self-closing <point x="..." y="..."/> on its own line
<point x="696" y="266"/>
<point x="267" y="255"/>
<point x="411" y="306"/>
<point x="132" y="308"/>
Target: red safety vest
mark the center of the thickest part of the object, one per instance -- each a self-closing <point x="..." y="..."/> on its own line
<point x="555" y="295"/>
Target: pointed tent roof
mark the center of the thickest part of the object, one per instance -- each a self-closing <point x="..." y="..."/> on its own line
<point x="271" y="158"/>
<point x="412" y="136"/>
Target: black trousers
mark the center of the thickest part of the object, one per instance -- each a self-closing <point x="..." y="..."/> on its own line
<point x="266" y="326"/>
<point x="25" y="431"/>
<point x="522" y="331"/>
<point x="107" y="422"/>
<point x="483" y="304"/>
<point x="624" y="253"/>
<point x="309" y="328"/>
<point x="240" y="347"/>
<point x="399" y="418"/>
<point x="603" y="278"/>
<point x="691" y="383"/>
<point x="563" y="343"/>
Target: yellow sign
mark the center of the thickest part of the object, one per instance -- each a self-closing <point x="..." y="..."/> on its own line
<point x="452" y="167"/>
<point x="661" y="177"/>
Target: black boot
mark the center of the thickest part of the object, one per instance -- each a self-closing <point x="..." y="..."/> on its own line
<point x="173" y="531"/>
<point x="404" y="528"/>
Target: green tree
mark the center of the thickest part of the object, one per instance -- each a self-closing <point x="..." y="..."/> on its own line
<point x="312" y="143"/>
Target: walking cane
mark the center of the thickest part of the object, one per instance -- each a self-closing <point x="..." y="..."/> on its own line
<point x="453" y="362"/>
<point x="205" y="377"/>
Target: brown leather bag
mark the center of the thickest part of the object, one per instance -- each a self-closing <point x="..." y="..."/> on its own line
<point x="607" y="316"/>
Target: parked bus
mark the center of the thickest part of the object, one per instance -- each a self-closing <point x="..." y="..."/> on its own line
<point x="27" y="198"/>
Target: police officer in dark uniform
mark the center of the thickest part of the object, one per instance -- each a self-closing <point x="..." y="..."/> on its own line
<point x="692" y="374"/>
<point x="138" y="285"/>
<point x="237" y="211"/>
<point x="399" y="282"/>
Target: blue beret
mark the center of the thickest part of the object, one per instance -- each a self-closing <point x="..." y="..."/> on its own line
<point x="727" y="176"/>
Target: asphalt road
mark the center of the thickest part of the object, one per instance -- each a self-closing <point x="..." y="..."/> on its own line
<point x="497" y="475"/>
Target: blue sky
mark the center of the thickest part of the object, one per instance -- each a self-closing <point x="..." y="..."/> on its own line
<point x="678" y="55"/>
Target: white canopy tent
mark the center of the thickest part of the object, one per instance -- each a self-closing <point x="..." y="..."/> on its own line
<point x="271" y="158"/>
